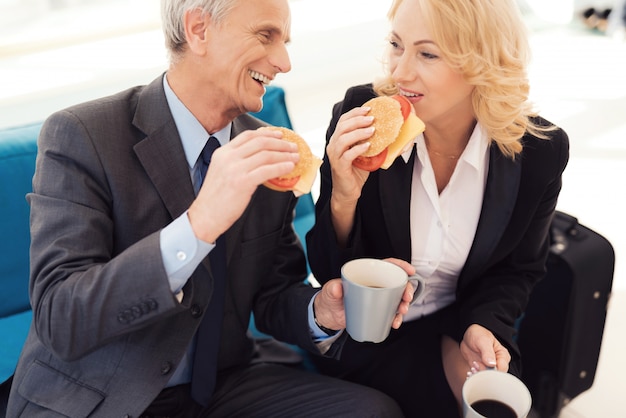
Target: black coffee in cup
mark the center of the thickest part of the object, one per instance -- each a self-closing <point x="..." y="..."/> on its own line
<point x="493" y="409"/>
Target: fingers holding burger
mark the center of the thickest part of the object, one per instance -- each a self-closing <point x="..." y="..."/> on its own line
<point x="396" y="126"/>
<point x="301" y="178"/>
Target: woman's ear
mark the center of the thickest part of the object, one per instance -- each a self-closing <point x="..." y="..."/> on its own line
<point x="196" y="24"/>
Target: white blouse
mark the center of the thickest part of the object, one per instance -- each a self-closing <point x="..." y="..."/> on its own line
<point x="443" y="225"/>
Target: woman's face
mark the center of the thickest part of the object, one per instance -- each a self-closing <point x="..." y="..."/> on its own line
<point x="438" y="93"/>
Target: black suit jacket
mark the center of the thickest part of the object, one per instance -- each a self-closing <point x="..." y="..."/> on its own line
<point x="107" y="332"/>
<point x="510" y="247"/>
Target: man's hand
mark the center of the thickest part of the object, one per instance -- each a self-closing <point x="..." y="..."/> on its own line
<point x="329" y="307"/>
<point x="236" y="170"/>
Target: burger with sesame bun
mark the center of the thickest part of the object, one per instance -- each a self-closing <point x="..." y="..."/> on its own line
<point x="301" y="178"/>
<point x="396" y="126"/>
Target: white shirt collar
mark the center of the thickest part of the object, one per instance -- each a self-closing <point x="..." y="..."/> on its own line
<point x="473" y="153"/>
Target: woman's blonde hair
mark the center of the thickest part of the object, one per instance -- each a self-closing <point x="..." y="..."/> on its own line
<point x="486" y="41"/>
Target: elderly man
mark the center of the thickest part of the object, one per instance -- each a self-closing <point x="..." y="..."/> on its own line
<point x="145" y="266"/>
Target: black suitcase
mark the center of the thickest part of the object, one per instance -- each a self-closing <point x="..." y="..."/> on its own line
<point x="561" y="331"/>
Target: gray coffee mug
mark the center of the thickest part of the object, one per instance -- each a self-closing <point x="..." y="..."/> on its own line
<point x="372" y="291"/>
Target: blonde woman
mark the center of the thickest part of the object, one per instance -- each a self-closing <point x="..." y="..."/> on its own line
<point x="469" y="205"/>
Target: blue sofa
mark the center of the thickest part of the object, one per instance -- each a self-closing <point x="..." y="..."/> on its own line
<point x="18" y="149"/>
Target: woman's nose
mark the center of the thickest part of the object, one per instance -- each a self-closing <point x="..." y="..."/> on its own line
<point x="404" y="69"/>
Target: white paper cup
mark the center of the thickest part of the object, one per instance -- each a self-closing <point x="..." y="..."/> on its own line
<point x="494" y="385"/>
<point x="372" y="291"/>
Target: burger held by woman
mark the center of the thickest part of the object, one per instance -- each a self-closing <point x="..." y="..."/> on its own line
<point x="468" y="203"/>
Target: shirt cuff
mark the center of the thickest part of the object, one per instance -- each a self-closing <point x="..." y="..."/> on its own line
<point x="182" y="251"/>
<point x="317" y="333"/>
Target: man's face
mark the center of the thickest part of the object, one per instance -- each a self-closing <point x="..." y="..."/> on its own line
<point x="245" y="52"/>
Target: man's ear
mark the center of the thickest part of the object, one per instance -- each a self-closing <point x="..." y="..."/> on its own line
<point x="196" y="30"/>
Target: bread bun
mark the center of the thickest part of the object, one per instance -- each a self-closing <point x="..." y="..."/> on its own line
<point x="396" y="127"/>
<point x="305" y="169"/>
<point x="306" y="156"/>
<point x="387" y="123"/>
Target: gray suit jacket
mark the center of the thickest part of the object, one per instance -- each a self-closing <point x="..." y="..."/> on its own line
<point x="107" y="332"/>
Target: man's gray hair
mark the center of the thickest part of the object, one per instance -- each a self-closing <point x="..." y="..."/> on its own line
<point x="173" y="12"/>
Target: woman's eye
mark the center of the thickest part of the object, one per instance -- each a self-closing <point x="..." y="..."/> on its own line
<point x="428" y="55"/>
<point x="394" y="44"/>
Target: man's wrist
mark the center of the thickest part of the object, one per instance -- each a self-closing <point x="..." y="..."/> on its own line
<point x="328" y="331"/>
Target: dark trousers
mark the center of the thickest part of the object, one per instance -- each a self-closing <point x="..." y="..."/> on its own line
<point x="407" y="366"/>
<point x="270" y="390"/>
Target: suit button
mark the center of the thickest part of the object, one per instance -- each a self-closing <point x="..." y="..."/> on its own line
<point x="144" y="307"/>
<point x="137" y="312"/>
<point x="166" y="367"/>
<point x="125" y="317"/>
<point x="196" y="311"/>
<point x="152" y="304"/>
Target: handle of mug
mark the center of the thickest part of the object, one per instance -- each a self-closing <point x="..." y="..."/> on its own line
<point x="419" y="286"/>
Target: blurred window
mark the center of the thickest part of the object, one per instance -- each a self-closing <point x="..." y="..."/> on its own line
<point x="35" y="25"/>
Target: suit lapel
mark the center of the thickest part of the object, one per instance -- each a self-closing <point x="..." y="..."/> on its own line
<point x="161" y="152"/>
<point x="162" y="156"/>
<point x="395" y="193"/>
<point x="499" y="201"/>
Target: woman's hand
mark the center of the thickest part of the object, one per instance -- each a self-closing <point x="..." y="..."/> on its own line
<point x="482" y="350"/>
<point x="407" y="296"/>
<point x="344" y="146"/>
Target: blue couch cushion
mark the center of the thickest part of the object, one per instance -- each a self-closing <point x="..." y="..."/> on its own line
<point x="14" y="330"/>
<point x="18" y="150"/>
